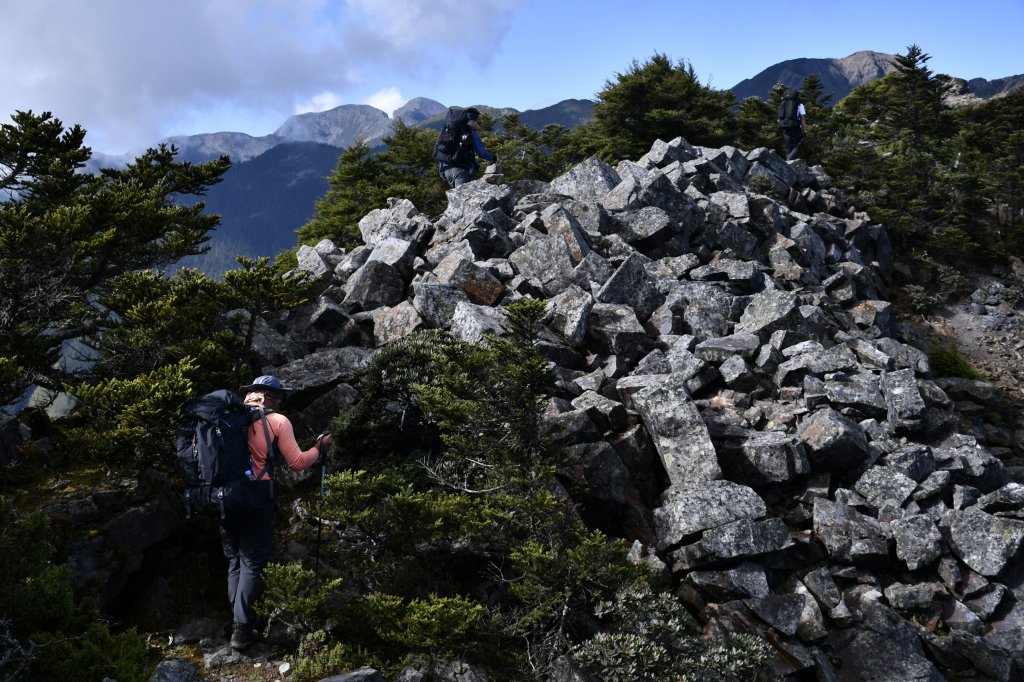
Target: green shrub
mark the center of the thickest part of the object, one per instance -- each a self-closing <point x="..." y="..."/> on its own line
<point x="294" y="596"/>
<point x="947" y="361"/>
<point x="1011" y="296"/>
<point x="951" y="281"/>
<point x="126" y="419"/>
<point x="763" y="185"/>
<point x="45" y="633"/>
<point x="462" y="539"/>
<point x="319" y="657"/>
<point x="439" y="626"/>
<point x="649" y="636"/>
<point x="952" y="244"/>
<point x="916" y="298"/>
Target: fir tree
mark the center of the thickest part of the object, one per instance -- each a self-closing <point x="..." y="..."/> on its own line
<point x="354" y="189"/>
<point x="657" y="99"/>
<point x="67" y="238"/>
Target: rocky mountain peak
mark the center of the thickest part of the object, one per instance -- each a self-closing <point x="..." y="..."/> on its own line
<point x="338" y="127"/>
<point x="418" y="109"/>
<point x="838" y="76"/>
<point x="865" y="66"/>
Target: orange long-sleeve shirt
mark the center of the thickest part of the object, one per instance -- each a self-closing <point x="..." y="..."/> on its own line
<point x="281" y="431"/>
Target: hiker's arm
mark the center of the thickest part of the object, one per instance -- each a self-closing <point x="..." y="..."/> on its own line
<point x="481" y="151"/>
<point x="293" y="455"/>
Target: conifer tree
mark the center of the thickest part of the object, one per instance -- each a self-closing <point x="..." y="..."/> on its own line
<point x="260" y="291"/>
<point x="756" y="125"/>
<point x="657" y="99"/>
<point x="526" y="153"/>
<point x="67" y="238"/>
<point x="354" y="188"/>
<point x="426" y="535"/>
<point x="409" y="168"/>
<point x="915" y="110"/>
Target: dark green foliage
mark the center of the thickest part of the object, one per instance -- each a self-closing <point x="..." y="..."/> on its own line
<point x="947" y="361"/>
<point x="994" y="131"/>
<point x="819" y="113"/>
<point x="461" y="546"/>
<point x="260" y="291"/>
<point x="162" y="321"/>
<point x="127" y="421"/>
<point x="756" y="123"/>
<point x="525" y="153"/>
<point x="84" y="257"/>
<point x="294" y="597"/>
<point x="657" y="99"/>
<point x="353" y="190"/>
<point x="318" y="657"/>
<point x="45" y="634"/>
<point x="486" y="402"/>
<point x="915" y="114"/>
<point x="410" y="169"/>
<point x="440" y="626"/>
<point x="386" y="426"/>
<point x="66" y="238"/>
<point x="942" y="180"/>
<point x="363" y="181"/>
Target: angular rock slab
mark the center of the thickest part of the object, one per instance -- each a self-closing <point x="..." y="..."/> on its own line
<point x="985" y="542"/>
<point x="699" y="506"/>
<point x="834" y="442"/>
<point x="847" y="534"/>
<point x="679" y="433"/>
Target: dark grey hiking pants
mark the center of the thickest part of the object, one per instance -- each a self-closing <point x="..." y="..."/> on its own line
<point x="792" y="137"/>
<point x="248" y="539"/>
<point x="455" y="175"/>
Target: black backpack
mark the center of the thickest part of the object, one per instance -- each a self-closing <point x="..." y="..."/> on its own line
<point x="453" y="143"/>
<point x="788" y="117"/>
<point x="213" y="455"/>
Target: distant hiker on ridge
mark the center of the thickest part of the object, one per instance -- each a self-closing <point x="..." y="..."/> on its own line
<point x="792" y="121"/>
<point x="458" y="145"/>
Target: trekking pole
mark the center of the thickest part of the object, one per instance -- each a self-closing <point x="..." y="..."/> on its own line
<point x="320" y="502"/>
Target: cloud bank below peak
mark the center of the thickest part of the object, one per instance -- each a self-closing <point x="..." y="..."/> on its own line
<point x="132" y="73"/>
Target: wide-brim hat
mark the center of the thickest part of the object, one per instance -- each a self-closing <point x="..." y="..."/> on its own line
<point x="264" y="383"/>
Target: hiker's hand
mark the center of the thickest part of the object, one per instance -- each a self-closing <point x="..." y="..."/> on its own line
<point x="323" y="443"/>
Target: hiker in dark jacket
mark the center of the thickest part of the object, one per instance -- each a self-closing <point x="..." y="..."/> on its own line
<point x="792" y="121"/>
<point x="461" y="169"/>
<point x="247" y="536"/>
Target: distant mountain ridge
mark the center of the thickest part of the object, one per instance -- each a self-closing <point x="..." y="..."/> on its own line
<point x="840" y="76"/>
<point x="272" y="188"/>
<point x="265" y="197"/>
<point x="985" y="89"/>
<point x="343" y="125"/>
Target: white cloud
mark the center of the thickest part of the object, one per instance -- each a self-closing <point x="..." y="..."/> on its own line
<point x="132" y="73"/>
<point x="386" y="100"/>
<point x="319" y="102"/>
<point x="407" y="27"/>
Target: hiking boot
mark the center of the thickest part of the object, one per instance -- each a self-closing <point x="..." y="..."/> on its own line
<point x="243" y="636"/>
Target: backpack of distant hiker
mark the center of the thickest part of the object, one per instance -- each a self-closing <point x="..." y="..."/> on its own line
<point x="213" y="455"/>
<point x="788" y="110"/>
<point x="453" y="143"/>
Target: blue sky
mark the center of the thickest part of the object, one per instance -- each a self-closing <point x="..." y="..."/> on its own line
<point x="135" y="71"/>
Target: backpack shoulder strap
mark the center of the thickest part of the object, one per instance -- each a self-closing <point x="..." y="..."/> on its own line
<point x="271" y="450"/>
